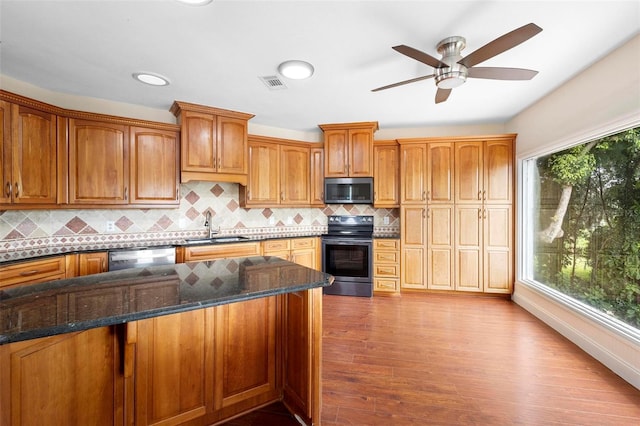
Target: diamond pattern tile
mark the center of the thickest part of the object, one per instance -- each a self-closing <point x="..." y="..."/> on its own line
<point x="164" y="222"/>
<point x="76" y="224"/>
<point x="123" y="223"/>
<point x="233" y="205"/>
<point x="27" y="227"/>
<point x="298" y="218"/>
<point x="192" y="197"/>
<point x="217" y="190"/>
<point x="267" y="213"/>
<point x="192" y="213"/>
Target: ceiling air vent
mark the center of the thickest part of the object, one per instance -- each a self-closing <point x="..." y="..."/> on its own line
<point x="273" y="82"/>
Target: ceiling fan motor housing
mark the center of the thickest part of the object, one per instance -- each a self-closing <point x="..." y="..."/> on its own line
<point x="455" y="74"/>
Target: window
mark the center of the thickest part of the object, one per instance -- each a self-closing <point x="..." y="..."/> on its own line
<point x="582" y="224"/>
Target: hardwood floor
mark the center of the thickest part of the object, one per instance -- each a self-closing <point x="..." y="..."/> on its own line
<point x="427" y="359"/>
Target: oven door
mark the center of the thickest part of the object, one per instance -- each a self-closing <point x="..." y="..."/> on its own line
<point x="350" y="261"/>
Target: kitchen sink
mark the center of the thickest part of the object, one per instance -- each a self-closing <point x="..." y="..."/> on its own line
<point x="215" y="240"/>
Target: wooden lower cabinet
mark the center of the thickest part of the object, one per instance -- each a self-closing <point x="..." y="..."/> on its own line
<point x="174" y="367"/>
<point x="70" y="379"/>
<point x="245" y="373"/>
<point x="386" y="265"/>
<point x="194" y="368"/>
<point x="303" y="251"/>
<point x="33" y="272"/>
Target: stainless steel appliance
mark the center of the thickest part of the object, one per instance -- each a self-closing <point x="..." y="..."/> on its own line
<point x="141" y="257"/>
<point x="347" y="254"/>
<point x="348" y="190"/>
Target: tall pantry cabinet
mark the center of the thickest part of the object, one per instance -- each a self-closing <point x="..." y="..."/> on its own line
<point x="457" y="213"/>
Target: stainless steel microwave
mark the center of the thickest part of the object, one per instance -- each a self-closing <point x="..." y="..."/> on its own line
<point x="348" y="190"/>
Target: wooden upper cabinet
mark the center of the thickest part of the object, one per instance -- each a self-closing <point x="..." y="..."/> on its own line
<point x="294" y="175"/>
<point x="264" y="175"/>
<point x="316" y="186"/>
<point x="199" y="152"/>
<point x="386" y="174"/>
<point x="98" y="162"/>
<point x="484" y="171"/>
<point x="469" y="172"/>
<point x="279" y="173"/>
<point x="413" y="174"/>
<point x="154" y="166"/>
<point x="440" y="160"/>
<point x="348" y="149"/>
<point x="28" y="155"/>
<point x="214" y="143"/>
<point x="498" y="172"/>
<point x="5" y="152"/>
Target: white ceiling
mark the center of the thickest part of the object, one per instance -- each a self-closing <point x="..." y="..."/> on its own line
<point x="214" y="54"/>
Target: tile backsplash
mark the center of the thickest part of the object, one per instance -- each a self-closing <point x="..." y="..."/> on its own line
<point x="20" y="229"/>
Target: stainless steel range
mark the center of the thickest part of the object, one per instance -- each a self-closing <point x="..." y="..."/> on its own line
<point x="347" y="254"/>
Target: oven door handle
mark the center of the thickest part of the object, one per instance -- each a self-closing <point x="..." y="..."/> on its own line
<point x="346" y="242"/>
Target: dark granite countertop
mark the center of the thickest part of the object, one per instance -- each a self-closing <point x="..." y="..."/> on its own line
<point x="81" y="303"/>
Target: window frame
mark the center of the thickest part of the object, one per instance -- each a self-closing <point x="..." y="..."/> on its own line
<point x="525" y="215"/>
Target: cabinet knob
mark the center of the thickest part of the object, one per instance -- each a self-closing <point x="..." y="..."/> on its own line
<point x="479" y="195"/>
<point x="424" y="195"/>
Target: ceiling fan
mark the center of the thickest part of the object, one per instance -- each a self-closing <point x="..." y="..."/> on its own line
<point x="452" y="70"/>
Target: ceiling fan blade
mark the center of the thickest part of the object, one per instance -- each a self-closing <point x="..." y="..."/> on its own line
<point x="501" y="44"/>
<point x="497" y="73"/>
<point x="442" y="95"/>
<point x="400" y="83"/>
<point x="419" y="56"/>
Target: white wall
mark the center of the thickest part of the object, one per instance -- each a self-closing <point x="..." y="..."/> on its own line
<point x="601" y="100"/>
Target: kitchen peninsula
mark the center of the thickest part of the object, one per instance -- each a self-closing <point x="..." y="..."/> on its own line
<point x="192" y="343"/>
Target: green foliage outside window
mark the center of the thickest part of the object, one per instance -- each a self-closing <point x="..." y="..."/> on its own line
<point x="588" y="236"/>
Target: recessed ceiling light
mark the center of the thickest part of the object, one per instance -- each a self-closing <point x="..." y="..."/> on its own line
<point x="152" y="79"/>
<point x="195" y="2"/>
<point x="296" y="70"/>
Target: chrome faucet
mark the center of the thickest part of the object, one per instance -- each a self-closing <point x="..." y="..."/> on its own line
<point x="207" y="224"/>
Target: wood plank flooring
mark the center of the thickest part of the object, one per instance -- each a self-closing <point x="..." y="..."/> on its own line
<point x="428" y="359"/>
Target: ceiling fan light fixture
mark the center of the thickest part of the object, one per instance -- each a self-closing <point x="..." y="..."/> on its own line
<point x="151" y="78"/>
<point x="296" y="69"/>
<point x="451" y="80"/>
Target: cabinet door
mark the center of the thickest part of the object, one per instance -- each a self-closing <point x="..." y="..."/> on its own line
<point x="98" y="163"/>
<point x="5" y="152"/>
<point x="440" y="175"/>
<point x="154" y="166"/>
<point x="34" y="156"/>
<point x="232" y="148"/>
<point x="469" y="247"/>
<point x="440" y="243"/>
<point x="360" y="163"/>
<point x="317" y="177"/>
<point x="413" y="169"/>
<point x="413" y="247"/>
<point x="468" y="172"/>
<point x="264" y="178"/>
<point x="70" y="379"/>
<point x="336" y="153"/>
<point x="294" y="175"/>
<point x="92" y="263"/>
<point x="198" y="150"/>
<point x="174" y="367"/>
<point x="386" y="174"/>
<point x="33" y="272"/>
<point x="498" y="249"/>
<point x="498" y="172"/>
<point x="302" y="345"/>
<point x="245" y="348"/>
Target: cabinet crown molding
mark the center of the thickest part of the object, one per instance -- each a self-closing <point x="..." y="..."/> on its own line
<point x="179" y="106"/>
<point x="474" y="138"/>
<point x="345" y="126"/>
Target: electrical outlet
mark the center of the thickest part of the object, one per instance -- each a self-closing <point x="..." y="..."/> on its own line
<point x="272" y="221"/>
<point x="110" y="226"/>
<point x="289" y="220"/>
<point x="385" y="220"/>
